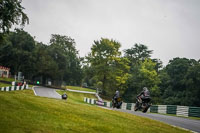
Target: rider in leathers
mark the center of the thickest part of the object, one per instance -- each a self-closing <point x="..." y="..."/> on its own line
<point x="144" y="95"/>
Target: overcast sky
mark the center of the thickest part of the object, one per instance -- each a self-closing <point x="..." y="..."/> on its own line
<point x="171" y="28"/>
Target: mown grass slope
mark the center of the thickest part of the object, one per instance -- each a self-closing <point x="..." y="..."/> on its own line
<point x="21" y="111"/>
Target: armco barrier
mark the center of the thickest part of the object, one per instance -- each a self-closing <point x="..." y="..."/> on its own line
<point x="171" y="109"/>
<point x="154" y="109"/>
<point x="194" y="111"/>
<point x="184" y="111"/>
<point x="162" y="109"/>
<point x="13" y="88"/>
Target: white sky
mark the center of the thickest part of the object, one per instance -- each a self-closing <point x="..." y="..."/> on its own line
<point x="171" y="28"/>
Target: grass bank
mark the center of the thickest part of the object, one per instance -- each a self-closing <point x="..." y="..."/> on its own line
<point x="21" y="111"/>
<point x="79" y="88"/>
<point x="74" y="97"/>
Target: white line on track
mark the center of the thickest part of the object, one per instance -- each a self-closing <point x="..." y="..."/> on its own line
<point x="34" y="90"/>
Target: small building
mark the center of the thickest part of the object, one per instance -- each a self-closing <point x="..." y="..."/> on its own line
<point x="4" y="71"/>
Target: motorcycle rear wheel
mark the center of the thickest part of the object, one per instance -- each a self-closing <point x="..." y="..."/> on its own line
<point x="135" y="107"/>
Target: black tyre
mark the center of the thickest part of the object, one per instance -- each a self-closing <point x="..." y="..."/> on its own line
<point x="119" y="105"/>
<point x="145" y="109"/>
<point x="136" y="107"/>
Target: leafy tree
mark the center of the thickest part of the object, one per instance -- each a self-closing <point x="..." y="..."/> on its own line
<point x="150" y="78"/>
<point x="143" y="75"/>
<point x="180" y="82"/>
<point x="144" y="71"/>
<point x="192" y="81"/>
<point x="46" y="68"/>
<point x="63" y="51"/>
<point x="137" y="53"/>
<point x="11" y="12"/>
<point x="110" y="70"/>
<point x="177" y="69"/>
<point x="16" y="52"/>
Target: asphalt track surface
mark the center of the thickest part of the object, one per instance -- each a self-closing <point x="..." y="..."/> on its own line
<point x="46" y="92"/>
<point x="190" y="124"/>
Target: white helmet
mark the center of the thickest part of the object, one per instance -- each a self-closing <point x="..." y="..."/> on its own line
<point x="145" y="89"/>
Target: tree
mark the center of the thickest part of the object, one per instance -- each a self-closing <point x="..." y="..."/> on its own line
<point x="138" y="53"/>
<point x="180" y="82"/>
<point x="143" y="75"/>
<point x="45" y="67"/>
<point x="192" y="81"/>
<point x="150" y="79"/>
<point x="11" y="12"/>
<point x="144" y="71"/>
<point x="110" y="70"/>
<point x="16" y="52"/>
<point x="63" y="51"/>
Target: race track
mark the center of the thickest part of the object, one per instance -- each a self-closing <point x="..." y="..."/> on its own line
<point x="190" y="124"/>
<point x="46" y="92"/>
<point x="193" y="125"/>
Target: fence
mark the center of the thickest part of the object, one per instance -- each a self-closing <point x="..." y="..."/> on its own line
<point x="13" y="88"/>
<point x="185" y="111"/>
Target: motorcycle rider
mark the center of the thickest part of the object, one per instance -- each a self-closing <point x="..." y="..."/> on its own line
<point x="116" y="96"/>
<point x="144" y="96"/>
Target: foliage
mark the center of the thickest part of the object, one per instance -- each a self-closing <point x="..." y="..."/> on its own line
<point x="11" y="12"/>
<point x="144" y="73"/>
<point x="137" y="53"/>
<point x="57" y="62"/>
<point x="180" y="82"/>
<point x="16" y="52"/>
<point x="62" y="50"/>
<point x="110" y="70"/>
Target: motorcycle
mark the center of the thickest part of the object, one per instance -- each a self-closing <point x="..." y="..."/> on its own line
<point x="142" y="105"/>
<point x="116" y="103"/>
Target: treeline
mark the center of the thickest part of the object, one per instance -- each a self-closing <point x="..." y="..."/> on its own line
<point x="177" y="83"/>
<point x="57" y="62"/>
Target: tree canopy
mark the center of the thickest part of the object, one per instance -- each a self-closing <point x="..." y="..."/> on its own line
<point x="11" y="12"/>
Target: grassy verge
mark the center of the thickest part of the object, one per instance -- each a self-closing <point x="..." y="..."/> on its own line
<point x="74" y="97"/>
<point x="7" y="79"/>
<point x="21" y="111"/>
<point x="79" y="88"/>
<point x="4" y="85"/>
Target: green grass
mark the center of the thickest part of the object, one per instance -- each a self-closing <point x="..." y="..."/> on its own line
<point x="22" y="112"/>
<point x="80" y="88"/>
<point x="74" y="97"/>
<point x="4" y="85"/>
<point x="7" y="79"/>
